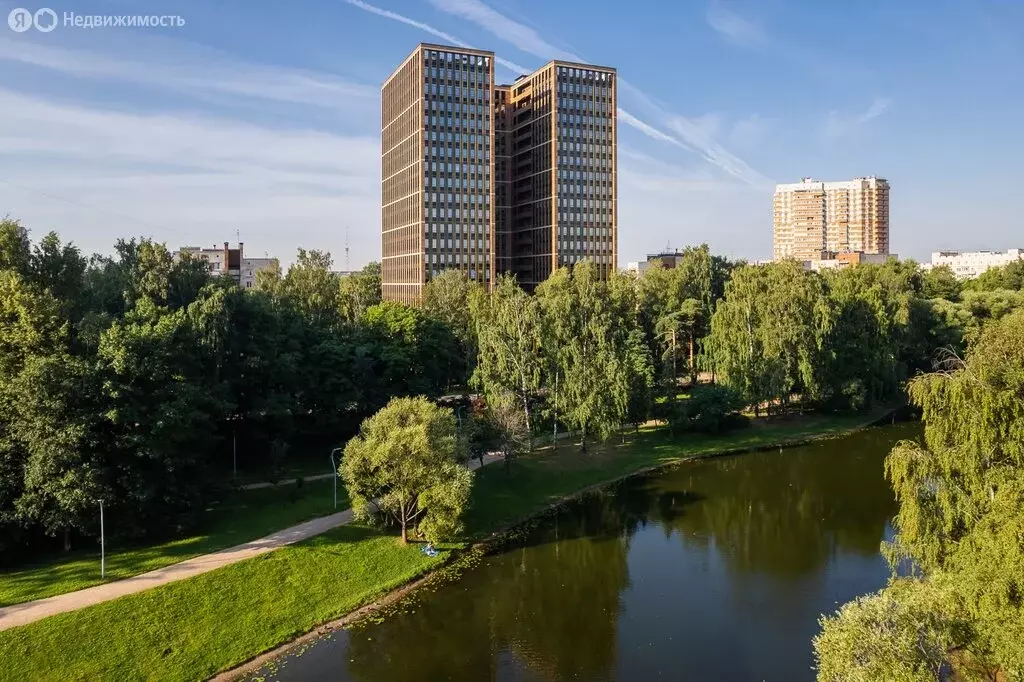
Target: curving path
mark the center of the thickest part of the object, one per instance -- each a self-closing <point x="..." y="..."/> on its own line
<point x="28" y="612"/>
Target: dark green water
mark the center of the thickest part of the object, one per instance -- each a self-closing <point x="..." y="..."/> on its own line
<point x="714" y="570"/>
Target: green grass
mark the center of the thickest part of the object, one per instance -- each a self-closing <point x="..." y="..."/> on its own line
<point x="190" y="629"/>
<point x="196" y="627"/>
<point x="245" y="515"/>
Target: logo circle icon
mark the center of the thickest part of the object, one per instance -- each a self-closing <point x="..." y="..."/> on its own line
<point x="20" y="19"/>
<point x="45" y="20"/>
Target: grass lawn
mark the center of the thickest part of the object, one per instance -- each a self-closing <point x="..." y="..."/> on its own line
<point x="245" y="515"/>
<point x="190" y="629"/>
<point x="196" y="627"/>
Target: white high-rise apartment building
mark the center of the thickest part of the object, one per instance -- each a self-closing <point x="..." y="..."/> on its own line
<point x="814" y="220"/>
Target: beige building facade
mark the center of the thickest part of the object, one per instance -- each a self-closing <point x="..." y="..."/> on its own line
<point x="490" y="178"/>
<point x="225" y="261"/>
<point x="815" y="220"/>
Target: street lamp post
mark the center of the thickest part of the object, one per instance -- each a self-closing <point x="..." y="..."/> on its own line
<point x="335" y="468"/>
<point x="103" y="545"/>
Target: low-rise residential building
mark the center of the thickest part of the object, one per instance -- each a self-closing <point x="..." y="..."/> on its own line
<point x="667" y="259"/>
<point x="970" y="264"/>
<point x="847" y="259"/>
<point x="225" y="261"/>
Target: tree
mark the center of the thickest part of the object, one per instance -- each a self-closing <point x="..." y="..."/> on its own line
<point x="588" y="345"/>
<point x="59" y="269"/>
<point x="708" y="409"/>
<point x="940" y="282"/>
<point x="162" y="416"/>
<point x="871" y="338"/>
<point x="312" y="288"/>
<point x="359" y="291"/>
<point x="480" y="434"/>
<point x="508" y="332"/>
<point x="959" y="523"/>
<point x="766" y="335"/>
<point x="1009" y="276"/>
<point x="446" y="299"/>
<point x="414" y="351"/>
<point x="900" y="634"/>
<point x="15" y="247"/>
<point x="511" y="429"/>
<point x="640" y="379"/>
<point x="404" y="464"/>
<point x="58" y="421"/>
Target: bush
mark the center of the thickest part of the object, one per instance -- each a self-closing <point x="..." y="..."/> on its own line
<point x="709" y="409"/>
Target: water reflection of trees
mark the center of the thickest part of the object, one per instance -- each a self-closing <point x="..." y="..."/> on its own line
<point x="783" y="515"/>
<point x="554" y="602"/>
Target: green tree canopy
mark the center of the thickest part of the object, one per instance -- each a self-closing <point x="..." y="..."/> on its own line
<point x="405" y="464"/>
<point x="509" y="363"/>
<point x="583" y="332"/>
<point x="359" y="291"/>
<point x="766" y="335"/>
<point x="960" y="497"/>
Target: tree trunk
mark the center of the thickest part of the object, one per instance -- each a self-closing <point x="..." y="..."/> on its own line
<point x="583" y="442"/>
<point x="554" y="404"/>
<point x="67" y="540"/>
<point x="405" y="536"/>
<point x="674" y="371"/>
<point x="693" y="368"/>
<point x="529" y="429"/>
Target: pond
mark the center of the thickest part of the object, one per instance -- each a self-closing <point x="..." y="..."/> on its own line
<point x="712" y="570"/>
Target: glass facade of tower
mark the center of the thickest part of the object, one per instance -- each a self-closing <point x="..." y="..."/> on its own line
<point x="585" y="173"/>
<point x="457" y="162"/>
<point x="489" y="178"/>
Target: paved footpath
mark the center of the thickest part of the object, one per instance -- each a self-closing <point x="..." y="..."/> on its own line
<point x="28" y="612"/>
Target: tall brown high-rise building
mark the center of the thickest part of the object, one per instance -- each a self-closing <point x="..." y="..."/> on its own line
<point x="492" y="178"/>
<point x="815" y="220"/>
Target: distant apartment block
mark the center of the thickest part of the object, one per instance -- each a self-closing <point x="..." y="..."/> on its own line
<point x="489" y="178"/>
<point x="815" y="220"/>
<point x="848" y="259"/>
<point x="970" y="264"/>
<point x="666" y="259"/>
<point x="229" y="262"/>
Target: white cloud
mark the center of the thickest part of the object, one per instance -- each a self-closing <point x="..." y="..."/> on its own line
<point x="693" y="135"/>
<point x="509" y="30"/>
<point x="748" y="132"/>
<point x="178" y="178"/>
<point x="839" y="125"/>
<point x="733" y="27"/>
<point x="196" y="71"/>
<point x="388" y="14"/>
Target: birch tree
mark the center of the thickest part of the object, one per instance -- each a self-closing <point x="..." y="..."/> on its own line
<point x="508" y="356"/>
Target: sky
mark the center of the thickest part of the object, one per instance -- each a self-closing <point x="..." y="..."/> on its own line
<point x="261" y="120"/>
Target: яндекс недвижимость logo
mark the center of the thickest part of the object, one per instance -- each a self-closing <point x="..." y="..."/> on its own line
<point x="21" y="20"/>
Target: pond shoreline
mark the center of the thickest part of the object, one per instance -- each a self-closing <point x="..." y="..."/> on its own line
<point x="460" y="559"/>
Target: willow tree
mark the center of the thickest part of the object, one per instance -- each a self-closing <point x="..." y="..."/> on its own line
<point x="586" y="335"/>
<point x="405" y="464"/>
<point x="766" y="335"/>
<point x="508" y="368"/>
<point x="960" y="493"/>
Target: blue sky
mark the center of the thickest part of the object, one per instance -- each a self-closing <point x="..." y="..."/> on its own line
<point x="262" y="119"/>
